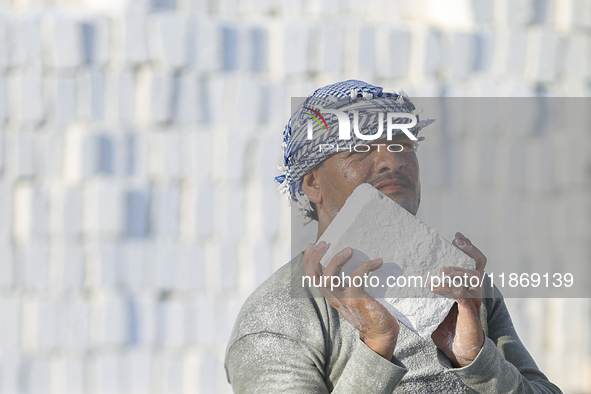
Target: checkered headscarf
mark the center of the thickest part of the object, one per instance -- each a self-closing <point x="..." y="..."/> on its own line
<point x="300" y="154"/>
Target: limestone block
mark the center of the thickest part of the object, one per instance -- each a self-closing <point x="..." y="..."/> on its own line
<point x="483" y="11"/>
<point x="78" y="155"/>
<point x="328" y="49"/>
<point x="296" y="41"/>
<point x="5" y="210"/>
<point x="204" y="45"/>
<point x="39" y="324"/>
<point x="206" y="321"/>
<point x="63" y="42"/>
<point x="366" y="54"/>
<point x="20" y="159"/>
<point x="25" y="92"/>
<point x="5" y="49"/>
<point x="187" y="111"/>
<point x="168" y="374"/>
<point x="137" y="155"/>
<point x="165" y="211"/>
<point x="7" y="266"/>
<point x="228" y="265"/>
<point x="168" y="39"/>
<point x="91" y="94"/>
<point x="510" y="52"/>
<point x="142" y="307"/>
<point x="105" y="373"/>
<point x="191" y="363"/>
<point x="259" y="48"/>
<point x="153" y="99"/>
<point x="484" y="51"/>
<point x="165" y="162"/>
<point x="3" y="100"/>
<point x="36" y="375"/>
<point x="96" y="41"/>
<point x="136" y="368"/>
<point x="132" y="46"/>
<point x="30" y="212"/>
<point x="208" y="371"/>
<point x="137" y="215"/>
<point x="132" y="273"/>
<point x="229" y="212"/>
<point x="393" y="53"/>
<point x="578" y="56"/>
<point x="67" y="374"/>
<point x="103" y="206"/>
<point x="62" y="99"/>
<point x="262" y="257"/>
<point x="48" y="155"/>
<point x="11" y="367"/>
<point x="189" y="271"/>
<point x="270" y="207"/>
<point x="517" y="12"/>
<point x="10" y="307"/>
<point x="103" y="265"/>
<point x="67" y="267"/>
<point x="542" y="55"/>
<point x="375" y="226"/>
<point x="197" y="212"/>
<point x="229" y="152"/>
<point x="119" y="96"/>
<point x="108" y="320"/>
<point x="431" y="52"/>
<point x="460" y="56"/>
<point x="164" y="264"/>
<point x="196" y="152"/>
<point x="171" y="314"/>
<point x="73" y="325"/>
<point x="25" y="40"/>
<point x="65" y="220"/>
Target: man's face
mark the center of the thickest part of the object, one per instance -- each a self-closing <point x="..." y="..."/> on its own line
<point x="394" y="174"/>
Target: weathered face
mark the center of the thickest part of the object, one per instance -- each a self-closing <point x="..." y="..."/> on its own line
<point x="394" y="174"/>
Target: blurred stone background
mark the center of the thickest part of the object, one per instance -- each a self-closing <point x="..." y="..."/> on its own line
<point x="139" y="143"/>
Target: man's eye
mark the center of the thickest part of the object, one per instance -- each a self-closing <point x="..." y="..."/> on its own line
<point x="409" y="147"/>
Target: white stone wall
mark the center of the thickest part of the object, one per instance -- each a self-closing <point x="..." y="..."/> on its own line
<point x="139" y="140"/>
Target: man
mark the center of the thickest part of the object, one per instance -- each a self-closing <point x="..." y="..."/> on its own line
<point x="342" y="340"/>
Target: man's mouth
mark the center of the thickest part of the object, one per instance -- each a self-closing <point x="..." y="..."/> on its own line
<point x="392" y="185"/>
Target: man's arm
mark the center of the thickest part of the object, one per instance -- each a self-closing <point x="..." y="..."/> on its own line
<point x="498" y="362"/>
<point x="503" y="365"/>
<point x="291" y="351"/>
<point x="272" y="363"/>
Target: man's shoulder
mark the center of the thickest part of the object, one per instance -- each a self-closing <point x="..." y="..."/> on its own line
<point x="281" y="306"/>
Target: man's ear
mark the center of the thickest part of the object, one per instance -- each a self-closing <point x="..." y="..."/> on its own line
<point x="311" y="186"/>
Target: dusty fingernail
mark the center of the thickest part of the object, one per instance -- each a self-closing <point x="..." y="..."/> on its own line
<point x="460" y="242"/>
<point x="447" y="270"/>
<point x="344" y="252"/>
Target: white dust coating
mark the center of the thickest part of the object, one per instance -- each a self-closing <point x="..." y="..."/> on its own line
<point x="373" y="225"/>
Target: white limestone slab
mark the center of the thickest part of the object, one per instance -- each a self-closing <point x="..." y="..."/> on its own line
<point x="373" y="225"/>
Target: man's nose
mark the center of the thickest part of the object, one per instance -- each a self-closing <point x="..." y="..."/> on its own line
<point x="386" y="161"/>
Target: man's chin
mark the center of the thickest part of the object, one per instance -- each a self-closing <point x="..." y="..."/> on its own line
<point x="402" y="198"/>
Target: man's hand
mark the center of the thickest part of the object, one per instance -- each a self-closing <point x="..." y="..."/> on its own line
<point x="378" y="328"/>
<point x="460" y="336"/>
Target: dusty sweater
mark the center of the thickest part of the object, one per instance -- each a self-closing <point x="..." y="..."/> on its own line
<point x="288" y="339"/>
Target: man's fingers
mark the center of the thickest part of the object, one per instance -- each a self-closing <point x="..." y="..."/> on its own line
<point x="337" y="262"/>
<point x="459" y="283"/>
<point x="367" y="267"/>
<point x="311" y="263"/>
<point x="466" y="246"/>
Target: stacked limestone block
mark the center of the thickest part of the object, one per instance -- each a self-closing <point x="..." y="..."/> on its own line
<point x="139" y="140"/>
